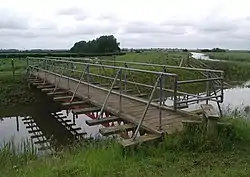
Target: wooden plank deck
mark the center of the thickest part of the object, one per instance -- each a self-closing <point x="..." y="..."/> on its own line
<point x="132" y="110"/>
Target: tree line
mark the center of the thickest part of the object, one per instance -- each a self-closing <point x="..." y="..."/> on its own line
<point x="102" y="44"/>
<point x="213" y="50"/>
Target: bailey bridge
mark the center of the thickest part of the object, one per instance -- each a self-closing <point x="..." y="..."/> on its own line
<point x="147" y="102"/>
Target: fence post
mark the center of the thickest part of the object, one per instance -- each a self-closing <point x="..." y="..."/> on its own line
<point x="188" y="60"/>
<point x="222" y="86"/>
<point x="207" y="88"/>
<point x="175" y="93"/>
<point x="125" y="79"/>
<point x="13" y="67"/>
<point x="164" y="84"/>
<point x="120" y="96"/>
<point x="88" y="78"/>
<point x="146" y="108"/>
<point x="27" y="63"/>
<point x="161" y="100"/>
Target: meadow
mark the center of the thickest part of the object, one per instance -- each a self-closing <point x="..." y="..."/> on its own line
<point x="240" y="56"/>
<point x="186" y="154"/>
<point x="189" y="153"/>
<point x="13" y="88"/>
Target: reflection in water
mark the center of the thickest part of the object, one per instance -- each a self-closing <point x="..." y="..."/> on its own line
<point x="237" y="98"/>
<point x="43" y="129"/>
<point x="202" y="56"/>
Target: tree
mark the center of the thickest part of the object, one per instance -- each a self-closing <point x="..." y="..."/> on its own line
<point x="103" y="44"/>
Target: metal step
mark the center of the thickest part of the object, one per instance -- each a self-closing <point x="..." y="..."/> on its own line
<point x="140" y="140"/>
<point x="58" y="93"/>
<point x="101" y="121"/>
<point x="45" y="86"/>
<point x="116" y="129"/>
<point x="60" y="98"/>
<point x="74" y="103"/>
<point x="86" y="110"/>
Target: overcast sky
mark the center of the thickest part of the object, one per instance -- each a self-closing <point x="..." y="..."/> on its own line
<point x="58" y="24"/>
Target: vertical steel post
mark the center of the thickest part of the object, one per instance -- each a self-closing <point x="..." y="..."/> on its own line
<point x="45" y="71"/>
<point x="17" y="124"/>
<point x="207" y="88"/>
<point x="68" y="73"/>
<point x="27" y="63"/>
<point x="161" y="101"/>
<point x="146" y="108"/>
<point x="107" y="97"/>
<point x="78" y="84"/>
<point x="13" y="67"/>
<point x="125" y="79"/>
<point x="222" y="87"/>
<point x="88" y="78"/>
<point x="164" y="84"/>
<point x="120" y="96"/>
<point x="175" y="93"/>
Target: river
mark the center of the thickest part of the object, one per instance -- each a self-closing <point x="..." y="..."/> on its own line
<point x="45" y="132"/>
<point x="237" y="98"/>
<point x="13" y="127"/>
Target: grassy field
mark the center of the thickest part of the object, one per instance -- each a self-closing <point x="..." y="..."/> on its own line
<point x="187" y="154"/>
<point x="13" y="89"/>
<point x="233" y="70"/>
<point x="231" y="56"/>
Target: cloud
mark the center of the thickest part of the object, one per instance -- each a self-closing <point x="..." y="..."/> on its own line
<point x="150" y="28"/>
<point x="9" y="20"/>
<point x="70" y="11"/>
<point x="161" y="23"/>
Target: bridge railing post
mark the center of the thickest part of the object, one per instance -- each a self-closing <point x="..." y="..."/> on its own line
<point x="110" y="90"/>
<point x="120" y="96"/>
<point x="125" y="79"/>
<point x="78" y="84"/>
<point x="146" y="108"/>
<point x="175" y="93"/>
<point x="88" y="79"/>
<point x="62" y="68"/>
<point x="161" y="100"/>
<point x="45" y="71"/>
<point x="208" y="87"/>
<point x="27" y="66"/>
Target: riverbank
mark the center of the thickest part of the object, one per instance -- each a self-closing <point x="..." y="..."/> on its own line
<point x="243" y="56"/>
<point x="14" y="91"/>
<point x="186" y="154"/>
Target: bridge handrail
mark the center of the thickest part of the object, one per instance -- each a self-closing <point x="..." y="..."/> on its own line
<point x="160" y="76"/>
<point x="108" y="66"/>
<point x="142" y="64"/>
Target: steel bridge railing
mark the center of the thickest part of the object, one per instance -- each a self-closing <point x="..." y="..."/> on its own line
<point x="212" y="79"/>
<point x="160" y="85"/>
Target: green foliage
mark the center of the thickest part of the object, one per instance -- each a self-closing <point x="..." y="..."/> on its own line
<point x="213" y="50"/>
<point x="44" y="54"/>
<point x="231" y="56"/>
<point x="233" y="71"/>
<point x="185" y="154"/>
<point x="103" y="44"/>
<point x="14" y="90"/>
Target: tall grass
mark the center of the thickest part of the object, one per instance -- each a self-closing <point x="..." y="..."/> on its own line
<point x="189" y="153"/>
<point x="231" y="56"/>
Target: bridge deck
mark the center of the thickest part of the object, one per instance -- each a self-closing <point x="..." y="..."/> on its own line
<point x="132" y="110"/>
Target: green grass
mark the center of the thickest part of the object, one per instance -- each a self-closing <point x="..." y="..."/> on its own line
<point x="233" y="70"/>
<point x="231" y="56"/>
<point x="187" y="154"/>
<point x="14" y="89"/>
